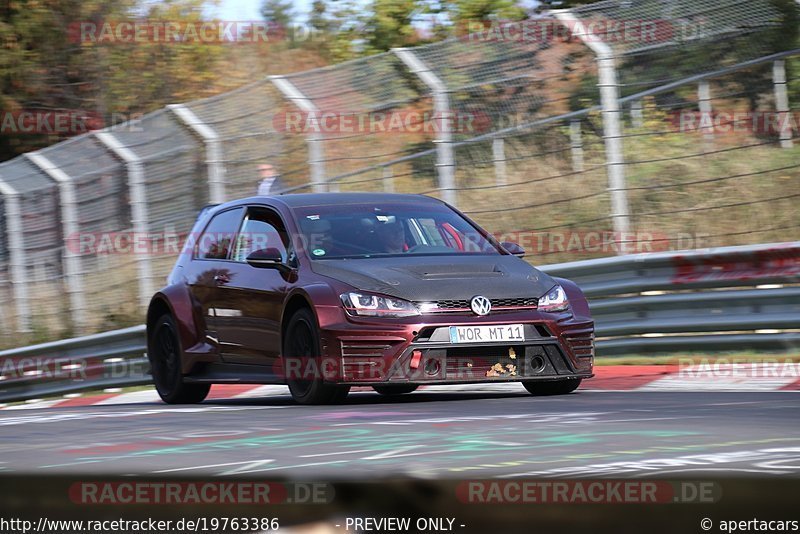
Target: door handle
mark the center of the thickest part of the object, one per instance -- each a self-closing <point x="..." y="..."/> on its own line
<point x="221" y="278"/>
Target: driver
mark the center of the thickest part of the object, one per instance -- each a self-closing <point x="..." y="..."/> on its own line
<point x="392" y="237"/>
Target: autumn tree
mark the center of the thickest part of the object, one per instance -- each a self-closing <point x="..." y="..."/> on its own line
<point x="278" y="11"/>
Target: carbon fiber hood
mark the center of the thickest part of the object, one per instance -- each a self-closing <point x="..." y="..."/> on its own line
<point x="425" y="278"/>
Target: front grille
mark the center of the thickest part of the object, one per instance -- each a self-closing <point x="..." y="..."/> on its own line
<point x="475" y="363"/>
<point x="471" y="363"/>
<point x="515" y="303"/>
<point x="497" y="304"/>
<point x="452" y="304"/>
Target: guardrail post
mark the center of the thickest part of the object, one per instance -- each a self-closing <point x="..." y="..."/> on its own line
<point x="213" y="144"/>
<point x="16" y="253"/>
<point x="612" y="124"/>
<point x="138" y="200"/>
<point x="316" y="152"/>
<point x="576" y="145"/>
<point x="782" y="102"/>
<point x="445" y="164"/>
<point x="69" y="225"/>
<point x="499" y="158"/>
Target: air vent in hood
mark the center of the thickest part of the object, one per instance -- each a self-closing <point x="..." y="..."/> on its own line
<point x="438" y="272"/>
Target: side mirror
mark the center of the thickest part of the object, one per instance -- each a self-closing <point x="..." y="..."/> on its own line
<point x="513" y="248"/>
<point x="266" y="258"/>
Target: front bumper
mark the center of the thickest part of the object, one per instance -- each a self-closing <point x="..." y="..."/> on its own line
<point x="555" y="348"/>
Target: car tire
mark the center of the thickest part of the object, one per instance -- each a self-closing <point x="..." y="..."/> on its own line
<point x="395" y="389"/>
<point x="164" y="353"/>
<point x="340" y="394"/>
<point x="302" y="342"/>
<point x="555" y="387"/>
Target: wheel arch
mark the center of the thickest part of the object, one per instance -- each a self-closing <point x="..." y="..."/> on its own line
<point x="297" y="301"/>
<point x="159" y="305"/>
<point x="177" y="301"/>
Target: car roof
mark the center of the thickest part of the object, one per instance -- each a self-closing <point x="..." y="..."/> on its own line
<point x="302" y="200"/>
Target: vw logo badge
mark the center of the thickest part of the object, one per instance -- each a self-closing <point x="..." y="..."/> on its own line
<point x="481" y="305"/>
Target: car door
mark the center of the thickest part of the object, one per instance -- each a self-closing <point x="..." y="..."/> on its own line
<point x="253" y="298"/>
<point x="210" y="268"/>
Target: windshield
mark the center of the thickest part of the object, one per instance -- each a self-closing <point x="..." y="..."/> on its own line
<point x="364" y="231"/>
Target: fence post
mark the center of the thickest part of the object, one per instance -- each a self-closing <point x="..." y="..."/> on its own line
<point x="69" y="226"/>
<point x="637" y="116"/>
<point x="213" y="144"/>
<point x="316" y="152"/>
<point x="16" y="256"/>
<point x="499" y="158"/>
<point x="138" y="200"/>
<point x="388" y="179"/>
<point x="704" y="103"/>
<point x="441" y="109"/>
<point x="782" y="102"/>
<point x="612" y="129"/>
<point x="576" y="145"/>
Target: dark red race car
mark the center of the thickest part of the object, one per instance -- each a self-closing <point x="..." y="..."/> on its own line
<point x="326" y="291"/>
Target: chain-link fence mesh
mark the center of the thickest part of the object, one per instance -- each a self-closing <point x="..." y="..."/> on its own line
<point x="647" y="37"/>
<point x="500" y="82"/>
<point x="246" y="120"/>
<point x="356" y="101"/>
<point x="3" y="246"/>
<point x="715" y="178"/>
<point x="8" y="321"/>
<point x="173" y="169"/>
<point x="531" y="164"/>
<point x="103" y="220"/>
<point x="42" y="245"/>
<point x="537" y="187"/>
<point x="174" y="180"/>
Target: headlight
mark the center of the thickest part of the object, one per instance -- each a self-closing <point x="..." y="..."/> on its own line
<point x="367" y="305"/>
<point x="554" y="301"/>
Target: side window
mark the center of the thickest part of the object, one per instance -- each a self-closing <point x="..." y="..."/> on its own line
<point x="217" y="239"/>
<point x="261" y="229"/>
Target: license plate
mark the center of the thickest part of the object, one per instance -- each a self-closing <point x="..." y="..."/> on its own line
<point x="487" y="333"/>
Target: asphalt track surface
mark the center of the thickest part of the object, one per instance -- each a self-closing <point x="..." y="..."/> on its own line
<point x="425" y="434"/>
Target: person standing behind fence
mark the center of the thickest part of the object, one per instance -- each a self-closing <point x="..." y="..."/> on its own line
<point x="271" y="183"/>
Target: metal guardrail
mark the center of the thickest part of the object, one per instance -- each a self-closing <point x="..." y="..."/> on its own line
<point x="110" y="359"/>
<point x="731" y="298"/>
<point x="744" y="297"/>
